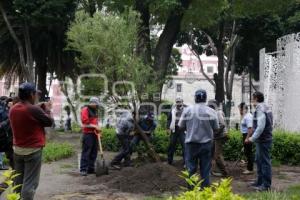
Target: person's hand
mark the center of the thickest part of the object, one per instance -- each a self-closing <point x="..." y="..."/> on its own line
<point x="48" y="105"/>
<point x="168" y="131"/>
<point x="247" y="141"/>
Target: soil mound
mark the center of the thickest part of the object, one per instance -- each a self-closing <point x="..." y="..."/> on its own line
<point x="151" y="178"/>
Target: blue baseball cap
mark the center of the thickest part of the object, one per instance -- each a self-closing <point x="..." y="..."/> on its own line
<point x="27" y="87"/>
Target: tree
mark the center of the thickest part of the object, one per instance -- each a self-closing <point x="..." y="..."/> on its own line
<point x="26" y="65"/>
<point x="47" y="23"/>
<point x="222" y="36"/>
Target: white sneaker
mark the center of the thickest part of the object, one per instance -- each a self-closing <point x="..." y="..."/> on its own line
<point x="247" y="172"/>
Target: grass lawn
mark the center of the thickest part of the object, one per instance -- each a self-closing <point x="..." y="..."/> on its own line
<point x="56" y="151"/>
<point x="292" y="193"/>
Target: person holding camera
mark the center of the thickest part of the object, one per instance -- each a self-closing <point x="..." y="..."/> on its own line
<point x="28" y="122"/>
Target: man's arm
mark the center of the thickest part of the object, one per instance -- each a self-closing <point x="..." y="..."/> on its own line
<point x="182" y="121"/>
<point x="249" y="123"/>
<point x="44" y="117"/>
<point x="261" y="123"/>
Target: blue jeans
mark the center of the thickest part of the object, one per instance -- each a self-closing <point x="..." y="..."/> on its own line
<point x="199" y="152"/>
<point x="264" y="165"/>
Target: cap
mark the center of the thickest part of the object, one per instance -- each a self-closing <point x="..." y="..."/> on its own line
<point x="200" y="96"/>
<point x="95" y="100"/>
<point x="27" y="87"/>
<point x="212" y="104"/>
<point x="179" y="100"/>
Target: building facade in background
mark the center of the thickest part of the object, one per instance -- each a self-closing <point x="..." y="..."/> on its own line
<point x="189" y="79"/>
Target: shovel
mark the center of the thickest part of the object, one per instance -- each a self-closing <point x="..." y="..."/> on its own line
<point x="101" y="167"/>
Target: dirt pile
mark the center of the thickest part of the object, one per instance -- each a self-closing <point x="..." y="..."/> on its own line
<point x="148" y="179"/>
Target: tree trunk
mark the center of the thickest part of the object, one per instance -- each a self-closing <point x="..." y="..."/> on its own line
<point x="25" y="76"/>
<point x="41" y="68"/>
<point x="166" y="41"/>
<point x="143" y="49"/>
<point x="29" y="61"/>
<point x="64" y="89"/>
<point x="219" y="77"/>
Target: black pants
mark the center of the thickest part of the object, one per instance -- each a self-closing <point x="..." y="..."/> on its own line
<point x="28" y="167"/>
<point x="124" y="152"/>
<point x="175" y="137"/>
<point x="248" y="153"/>
<point x="89" y="152"/>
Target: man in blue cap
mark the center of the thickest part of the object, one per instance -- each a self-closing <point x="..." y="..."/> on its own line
<point x="200" y="122"/>
<point x="28" y="122"/>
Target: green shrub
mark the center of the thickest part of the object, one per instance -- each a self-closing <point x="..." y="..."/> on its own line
<point x="56" y="151"/>
<point x="162" y="122"/>
<point x="76" y="128"/>
<point x="217" y="191"/>
<point x="285" y="148"/>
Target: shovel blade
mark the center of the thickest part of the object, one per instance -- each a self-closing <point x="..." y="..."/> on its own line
<point x="101" y="168"/>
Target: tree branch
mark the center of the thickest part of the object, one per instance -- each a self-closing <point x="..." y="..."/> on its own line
<point x="18" y="42"/>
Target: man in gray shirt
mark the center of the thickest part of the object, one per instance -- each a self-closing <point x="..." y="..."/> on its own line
<point x="200" y="122"/>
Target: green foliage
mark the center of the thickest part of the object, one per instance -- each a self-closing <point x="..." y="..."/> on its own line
<point x="11" y="194"/>
<point x="106" y="45"/>
<point x="56" y="151"/>
<point x="109" y="140"/>
<point x="162" y="122"/>
<point x="218" y="191"/>
<point x="76" y="128"/>
<point x="286" y="147"/>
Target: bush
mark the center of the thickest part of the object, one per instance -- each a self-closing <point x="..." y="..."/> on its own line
<point x="285" y="148"/>
<point x="56" y="151"/>
<point x="217" y="191"/>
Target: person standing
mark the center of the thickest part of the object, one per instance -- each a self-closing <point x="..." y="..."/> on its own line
<point x="246" y="129"/>
<point x="125" y="124"/>
<point x="262" y="136"/>
<point x="220" y="137"/>
<point x="200" y="122"/>
<point x="176" y="134"/>
<point x="90" y="129"/>
<point x="28" y="122"/>
<point x="5" y="141"/>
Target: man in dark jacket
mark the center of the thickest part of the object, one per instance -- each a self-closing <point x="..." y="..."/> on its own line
<point x="262" y="136"/>
<point x="147" y="125"/>
<point x="176" y="134"/>
<point x="90" y="129"/>
<point x="28" y="122"/>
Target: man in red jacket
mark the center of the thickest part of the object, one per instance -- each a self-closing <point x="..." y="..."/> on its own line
<point x="28" y="122"/>
<point x="89" y="120"/>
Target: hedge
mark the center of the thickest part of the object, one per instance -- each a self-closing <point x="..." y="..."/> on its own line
<point x="285" y="148"/>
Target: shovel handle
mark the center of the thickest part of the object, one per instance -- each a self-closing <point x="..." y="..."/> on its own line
<point x="99" y="142"/>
